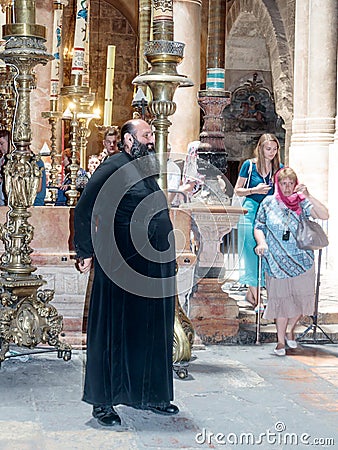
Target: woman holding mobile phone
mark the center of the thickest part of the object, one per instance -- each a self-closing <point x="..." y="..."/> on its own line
<point x="255" y="182"/>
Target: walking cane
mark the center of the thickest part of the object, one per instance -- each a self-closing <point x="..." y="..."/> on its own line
<point x="258" y="322"/>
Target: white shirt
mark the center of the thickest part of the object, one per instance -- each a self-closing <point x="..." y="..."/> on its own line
<point x="173" y="175"/>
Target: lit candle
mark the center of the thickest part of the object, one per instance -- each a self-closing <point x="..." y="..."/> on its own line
<point x="108" y="103"/>
<point x="80" y="37"/>
<point x="55" y="70"/>
<point x="85" y="76"/>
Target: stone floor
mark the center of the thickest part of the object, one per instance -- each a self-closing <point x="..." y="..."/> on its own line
<point x="234" y="397"/>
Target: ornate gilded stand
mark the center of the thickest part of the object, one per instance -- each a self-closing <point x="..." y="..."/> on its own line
<point x="80" y="102"/>
<point x="53" y="117"/>
<point x="26" y="316"/>
<point x="7" y="101"/>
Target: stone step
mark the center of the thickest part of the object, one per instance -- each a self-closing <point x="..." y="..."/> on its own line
<point x="268" y="332"/>
<point x="328" y="317"/>
<point x="247" y="316"/>
<point x="210" y="285"/>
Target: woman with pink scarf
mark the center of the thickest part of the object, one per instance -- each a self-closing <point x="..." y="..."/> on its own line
<point x="289" y="271"/>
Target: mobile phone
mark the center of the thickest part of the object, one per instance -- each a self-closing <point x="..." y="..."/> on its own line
<point x="286" y="235"/>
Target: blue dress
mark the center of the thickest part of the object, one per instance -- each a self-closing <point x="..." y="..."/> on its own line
<point x="40" y="196"/>
<point x="246" y="240"/>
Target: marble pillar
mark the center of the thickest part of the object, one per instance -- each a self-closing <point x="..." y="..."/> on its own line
<point x="216" y="34"/>
<point x="214" y="99"/>
<point x="314" y="93"/>
<point x="144" y="32"/>
<point x="332" y="196"/>
<point x="186" y="120"/>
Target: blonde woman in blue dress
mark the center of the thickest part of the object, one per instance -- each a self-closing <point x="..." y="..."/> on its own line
<point x="255" y="182"/>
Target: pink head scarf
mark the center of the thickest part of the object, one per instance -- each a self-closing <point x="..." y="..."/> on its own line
<point x="292" y="201"/>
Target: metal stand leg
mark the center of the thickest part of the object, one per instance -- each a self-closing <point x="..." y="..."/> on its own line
<point x="259" y="312"/>
<point x="313" y="327"/>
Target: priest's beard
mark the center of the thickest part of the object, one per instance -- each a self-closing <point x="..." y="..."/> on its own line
<point x="149" y="166"/>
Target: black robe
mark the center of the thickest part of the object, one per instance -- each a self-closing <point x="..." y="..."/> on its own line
<point x="132" y="307"/>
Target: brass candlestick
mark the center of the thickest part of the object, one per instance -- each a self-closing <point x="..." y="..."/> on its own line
<point x="53" y="117"/>
<point x="26" y="318"/>
<point x="72" y="193"/>
<point x="164" y="54"/>
<point x="81" y="100"/>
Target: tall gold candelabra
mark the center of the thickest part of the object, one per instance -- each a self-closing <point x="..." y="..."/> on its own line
<point x="26" y="317"/>
<point x="53" y="116"/>
<point x="164" y="54"/>
<point x="81" y="100"/>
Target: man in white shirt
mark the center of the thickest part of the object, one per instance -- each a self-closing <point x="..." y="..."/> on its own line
<point x="110" y="139"/>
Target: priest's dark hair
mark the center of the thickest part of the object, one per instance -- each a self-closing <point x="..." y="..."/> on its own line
<point x="128" y="127"/>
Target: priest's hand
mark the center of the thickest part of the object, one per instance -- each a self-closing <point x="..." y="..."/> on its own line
<point x="84" y="264"/>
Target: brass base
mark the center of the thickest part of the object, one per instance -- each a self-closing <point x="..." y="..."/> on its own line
<point x="26" y="317"/>
<point x="24" y="29"/>
<point x="183" y="335"/>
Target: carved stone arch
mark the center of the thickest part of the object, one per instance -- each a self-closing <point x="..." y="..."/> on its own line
<point x="272" y="28"/>
<point x="129" y="9"/>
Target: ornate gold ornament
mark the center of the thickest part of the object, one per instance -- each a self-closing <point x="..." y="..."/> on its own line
<point x="183" y="335"/>
<point x="53" y="117"/>
<point x="26" y="318"/>
<point x="7" y="97"/>
<point x="32" y="321"/>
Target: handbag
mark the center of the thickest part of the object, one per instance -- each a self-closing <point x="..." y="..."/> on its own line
<point x="236" y="200"/>
<point x="310" y="235"/>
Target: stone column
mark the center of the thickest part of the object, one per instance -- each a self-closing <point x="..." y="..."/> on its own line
<point x="214" y="99"/>
<point x="216" y="35"/>
<point x="186" y="120"/>
<point x="144" y="33"/>
<point x="314" y="92"/>
<point x="332" y="196"/>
